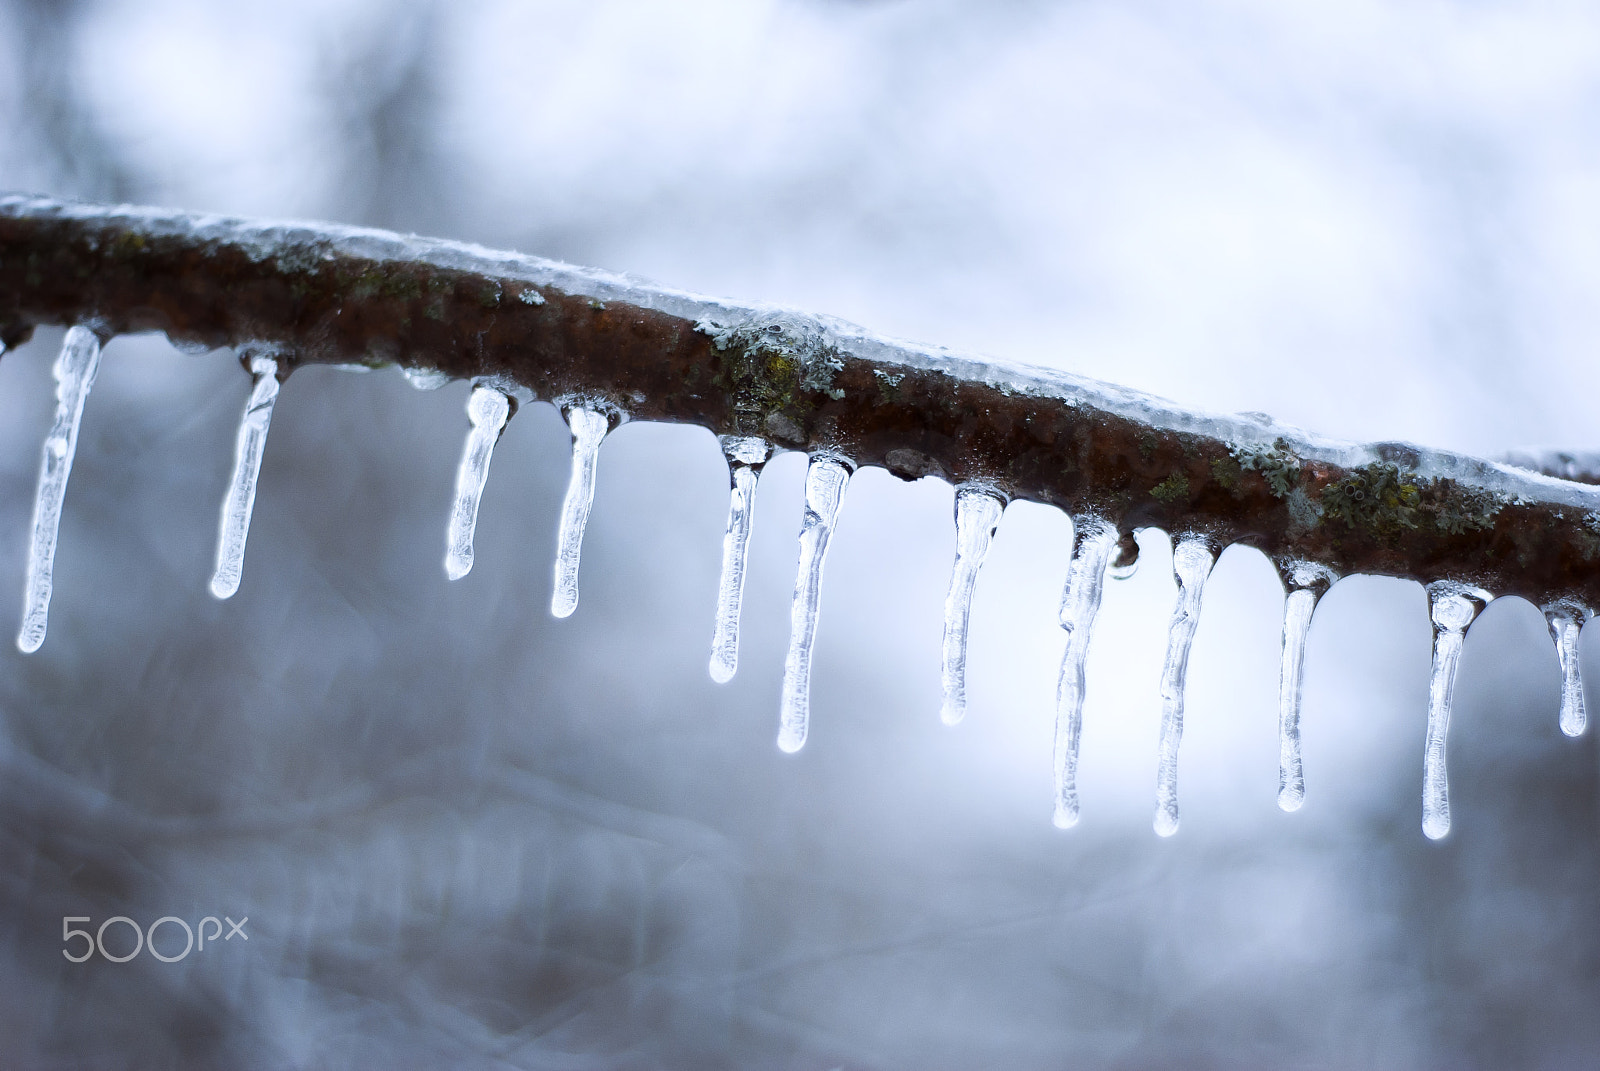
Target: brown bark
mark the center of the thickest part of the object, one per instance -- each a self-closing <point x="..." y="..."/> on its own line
<point x="329" y="294"/>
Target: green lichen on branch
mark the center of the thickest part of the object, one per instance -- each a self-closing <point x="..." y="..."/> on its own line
<point x="1278" y="464"/>
<point x="1388" y="502"/>
<point x="776" y="369"/>
<point x="1226" y="471"/>
<point x="1376" y="498"/>
<point x="1173" y="489"/>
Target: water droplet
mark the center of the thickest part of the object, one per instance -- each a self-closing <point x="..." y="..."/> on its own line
<point x="589" y="427"/>
<point x="487" y="410"/>
<point x="75" y="368"/>
<point x="1093" y="541"/>
<point x="745" y="456"/>
<point x="977" y="517"/>
<point x="1192" y="559"/>
<point x="1126" y="562"/>
<point x="240" y="500"/>
<point x="826" y="478"/>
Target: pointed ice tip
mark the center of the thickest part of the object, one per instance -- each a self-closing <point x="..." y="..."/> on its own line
<point x="952" y="713"/>
<point x="791" y="741"/>
<point x="224" y="587"/>
<point x="563" y="602"/>
<point x="1290" y="802"/>
<point x="721" y="670"/>
<point x="1574" y="729"/>
<point x="1166" y="823"/>
<point x="1065" y="817"/>
<point x="1436" y="826"/>
<point x="457" y="566"/>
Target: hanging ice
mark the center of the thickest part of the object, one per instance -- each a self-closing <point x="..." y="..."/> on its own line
<point x="75" y="370"/>
<point x="588" y="428"/>
<point x="825" y="483"/>
<point x="241" y="496"/>
<point x="745" y="456"/>
<point x="1566" y="619"/>
<point x="488" y="410"/>
<point x="1093" y="542"/>
<point x="1192" y="559"/>
<point x="1452" y="607"/>
<point x="1306" y="583"/>
<point x="977" y="517"/>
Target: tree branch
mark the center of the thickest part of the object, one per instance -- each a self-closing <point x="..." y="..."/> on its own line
<point x="327" y="294"/>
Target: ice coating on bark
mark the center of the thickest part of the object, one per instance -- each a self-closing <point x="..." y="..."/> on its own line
<point x="240" y="500"/>
<point x="1192" y="559"/>
<point x="1580" y="465"/>
<point x="826" y="478"/>
<point x="589" y="427"/>
<point x="1093" y="542"/>
<point x="977" y="516"/>
<point x="1307" y="582"/>
<point x="488" y="410"/>
<point x="1566" y="620"/>
<point x="1452" y="608"/>
<point x="745" y="455"/>
<point x="74" y="369"/>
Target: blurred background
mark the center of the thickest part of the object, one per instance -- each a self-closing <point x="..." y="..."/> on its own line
<point x="468" y="835"/>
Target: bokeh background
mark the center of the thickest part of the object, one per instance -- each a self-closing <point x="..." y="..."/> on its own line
<point x="468" y="835"/>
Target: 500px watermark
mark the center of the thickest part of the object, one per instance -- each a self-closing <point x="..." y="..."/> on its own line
<point x="146" y="939"/>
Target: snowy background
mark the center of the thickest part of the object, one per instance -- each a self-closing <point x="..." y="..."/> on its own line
<point x="466" y="834"/>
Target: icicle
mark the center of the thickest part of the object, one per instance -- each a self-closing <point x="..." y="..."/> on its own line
<point x="425" y="378"/>
<point x="1192" y="559"/>
<point x="1093" y="541"/>
<point x="1452" y="607"/>
<point x="1306" y="582"/>
<point x="75" y="370"/>
<point x="588" y="428"/>
<point x="825" y="483"/>
<point x="1566" y="618"/>
<point x="977" y="517"/>
<point x="488" y="410"/>
<point x="241" y="496"/>
<point x="745" y="456"/>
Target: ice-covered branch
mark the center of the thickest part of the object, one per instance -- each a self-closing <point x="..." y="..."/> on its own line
<point x="585" y="338"/>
